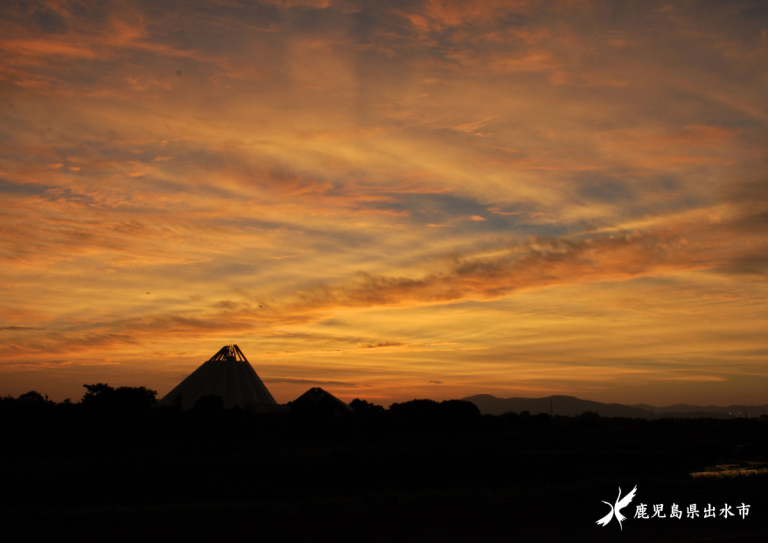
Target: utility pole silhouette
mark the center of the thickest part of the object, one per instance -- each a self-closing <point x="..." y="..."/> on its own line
<point x="551" y="411"/>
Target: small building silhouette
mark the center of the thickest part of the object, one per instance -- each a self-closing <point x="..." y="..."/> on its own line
<point x="316" y="402"/>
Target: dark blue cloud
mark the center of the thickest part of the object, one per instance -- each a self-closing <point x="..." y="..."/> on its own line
<point x="22" y="189"/>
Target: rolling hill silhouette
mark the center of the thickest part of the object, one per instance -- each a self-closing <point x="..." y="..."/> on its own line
<point x="572" y="406"/>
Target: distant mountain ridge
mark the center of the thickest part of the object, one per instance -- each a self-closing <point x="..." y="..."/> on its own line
<point x="572" y="406"/>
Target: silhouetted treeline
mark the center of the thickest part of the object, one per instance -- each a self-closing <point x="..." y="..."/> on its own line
<point x="102" y="399"/>
<point x="365" y="409"/>
<point x="98" y="397"/>
<point x="417" y="458"/>
<point x="124" y="399"/>
<point x="432" y="410"/>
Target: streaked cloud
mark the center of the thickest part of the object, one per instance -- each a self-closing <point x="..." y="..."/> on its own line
<point x="521" y="197"/>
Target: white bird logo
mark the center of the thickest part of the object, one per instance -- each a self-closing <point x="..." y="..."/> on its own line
<point x="620" y="504"/>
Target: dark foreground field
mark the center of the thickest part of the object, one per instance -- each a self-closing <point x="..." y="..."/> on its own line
<point x="71" y="475"/>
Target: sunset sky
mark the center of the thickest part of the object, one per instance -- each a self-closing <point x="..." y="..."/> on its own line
<point x="387" y="199"/>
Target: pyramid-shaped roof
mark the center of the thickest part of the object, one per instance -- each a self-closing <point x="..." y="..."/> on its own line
<point x="229" y="375"/>
<point x="319" y="401"/>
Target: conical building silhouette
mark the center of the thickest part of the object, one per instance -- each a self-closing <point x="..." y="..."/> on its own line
<point x="229" y="375"/>
<point x="320" y="403"/>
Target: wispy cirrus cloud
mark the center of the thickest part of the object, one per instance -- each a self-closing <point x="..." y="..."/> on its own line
<point x="384" y="192"/>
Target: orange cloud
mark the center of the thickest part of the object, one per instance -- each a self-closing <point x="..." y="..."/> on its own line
<point x="504" y="196"/>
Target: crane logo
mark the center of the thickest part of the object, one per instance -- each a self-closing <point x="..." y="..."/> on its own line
<point x="621" y="503"/>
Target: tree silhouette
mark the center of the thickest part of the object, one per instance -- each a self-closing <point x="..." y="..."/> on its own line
<point x="459" y="409"/>
<point x="448" y="410"/>
<point x="415" y="410"/>
<point x="366" y="409"/>
<point x="103" y="397"/>
<point x="33" y="397"/>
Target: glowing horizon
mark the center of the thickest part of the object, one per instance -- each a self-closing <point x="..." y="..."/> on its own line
<point x="389" y="200"/>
